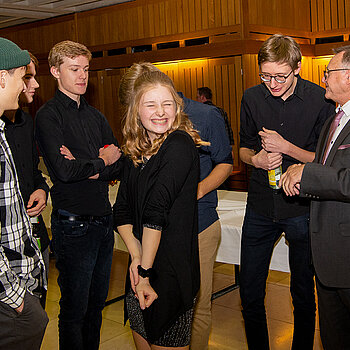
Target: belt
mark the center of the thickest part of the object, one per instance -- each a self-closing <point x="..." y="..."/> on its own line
<point x="87" y="218"/>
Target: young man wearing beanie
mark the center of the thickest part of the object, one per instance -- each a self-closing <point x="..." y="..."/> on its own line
<point x="22" y="319"/>
<point x="20" y="137"/>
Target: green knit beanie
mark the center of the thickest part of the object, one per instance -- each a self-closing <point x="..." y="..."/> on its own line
<point x="11" y="56"/>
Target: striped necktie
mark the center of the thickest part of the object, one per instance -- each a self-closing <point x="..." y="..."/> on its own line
<point x="332" y="129"/>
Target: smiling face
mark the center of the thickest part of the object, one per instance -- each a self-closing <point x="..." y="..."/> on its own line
<point x="157" y="111"/>
<point x="72" y="76"/>
<point x="12" y="85"/>
<point x="337" y="82"/>
<point x="31" y="84"/>
<point x="283" y="90"/>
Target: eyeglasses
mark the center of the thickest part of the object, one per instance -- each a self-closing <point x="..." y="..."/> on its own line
<point x="327" y="71"/>
<point x="281" y="79"/>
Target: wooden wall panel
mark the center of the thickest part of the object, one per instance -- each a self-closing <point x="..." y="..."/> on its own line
<point x="41" y="37"/>
<point x="223" y="76"/>
<point x="227" y="86"/>
<point x="148" y="19"/>
<point x="319" y="64"/>
<point x="293" y="14"/>
<point x="329" y="15"/>
<point x="250" y="70"/>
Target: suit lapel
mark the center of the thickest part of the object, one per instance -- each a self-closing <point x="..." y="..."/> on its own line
<point x="344" y="133"/>
<point x="322" y="141"/>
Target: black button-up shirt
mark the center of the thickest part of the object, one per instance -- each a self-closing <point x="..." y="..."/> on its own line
<point x="84" y="130"/>
<point x="299" y="120"/>
<point x="20" y="137"/>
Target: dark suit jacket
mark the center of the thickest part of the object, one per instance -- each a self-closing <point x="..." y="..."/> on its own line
<point x="328" y="186"/>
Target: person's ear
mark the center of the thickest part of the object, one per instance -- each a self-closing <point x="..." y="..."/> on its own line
<point x="55" y="72"/>
<point x="297" y="71"/>
<point x="3" y="78"/>
<point x="347" y="76"/>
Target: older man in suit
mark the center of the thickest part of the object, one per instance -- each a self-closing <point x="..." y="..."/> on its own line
<point x="326" y="182"/>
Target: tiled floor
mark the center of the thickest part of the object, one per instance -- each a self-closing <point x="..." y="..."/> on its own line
<point x="227" y="330"/>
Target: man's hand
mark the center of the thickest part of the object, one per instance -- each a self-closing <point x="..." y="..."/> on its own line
<point x="145" y="293"/>
<point x="290" y="180"/>
<point x="38" y="197"/>
<point x="267" y="160"/>
<point x="20" y="308"/>
<point x="66" y="153"/>
<point x="272" y="141"/>
<point x="109" y="154"/>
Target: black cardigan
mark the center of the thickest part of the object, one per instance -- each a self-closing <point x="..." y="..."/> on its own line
<point x="164" y="193"/>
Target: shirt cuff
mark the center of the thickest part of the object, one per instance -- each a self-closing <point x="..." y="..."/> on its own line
<point x="15" y="298"/>
<point x="99" y="165"/>
<point x="152" y="226"/>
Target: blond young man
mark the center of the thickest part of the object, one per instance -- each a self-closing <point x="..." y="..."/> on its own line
<point x="81" y="220"/>
<point x="281" y="120"/>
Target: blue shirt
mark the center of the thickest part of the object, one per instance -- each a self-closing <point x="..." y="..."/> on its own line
<point x="211" y="127"/>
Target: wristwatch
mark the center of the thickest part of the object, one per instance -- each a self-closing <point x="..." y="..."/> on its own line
<point x="145" y="273"/>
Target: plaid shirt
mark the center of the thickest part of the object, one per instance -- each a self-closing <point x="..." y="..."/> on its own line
<point x="21" y="264"/>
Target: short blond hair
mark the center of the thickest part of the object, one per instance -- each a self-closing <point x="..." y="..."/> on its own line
<point x="280" y="49"/>
<point x="68" y="49"/>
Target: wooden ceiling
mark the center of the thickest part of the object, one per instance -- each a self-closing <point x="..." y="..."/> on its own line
<point x="14" y="12"/>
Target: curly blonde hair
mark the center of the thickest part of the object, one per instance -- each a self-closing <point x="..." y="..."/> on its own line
<point x="138" y="80"/>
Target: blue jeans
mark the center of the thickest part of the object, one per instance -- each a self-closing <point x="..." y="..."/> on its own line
<point x="83" y="253"/>
<point x="259" y="235"/>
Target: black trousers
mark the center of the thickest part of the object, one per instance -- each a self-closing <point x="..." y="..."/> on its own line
<point x="334" y="312"/>
<point x="23" y="331"/>
<point x="259" y="235"/>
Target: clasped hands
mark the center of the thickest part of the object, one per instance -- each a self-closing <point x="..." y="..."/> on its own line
<point x="273" y="146"/>
<point x="141" y="286"/>
<point x="270" y="157"/>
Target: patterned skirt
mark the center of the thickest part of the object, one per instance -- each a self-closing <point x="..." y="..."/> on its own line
<point x="178" y="335"/>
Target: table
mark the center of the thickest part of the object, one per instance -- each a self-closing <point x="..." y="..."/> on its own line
<point x="231" y="210"/>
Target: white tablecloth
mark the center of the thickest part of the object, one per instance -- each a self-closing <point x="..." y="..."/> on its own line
<point x="231" y="209"/>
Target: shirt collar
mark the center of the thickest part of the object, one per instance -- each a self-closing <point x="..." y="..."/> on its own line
<point x="345" y="107"/>
<point x="2" y="125"/>
<point x="68" y="102"/>
<point x="19" y="120"/>
<point x="299" y="89"/>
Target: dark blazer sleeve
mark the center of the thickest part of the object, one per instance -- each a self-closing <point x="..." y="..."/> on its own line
<point x="178" y="155"/>
<point x="326" y="182"/>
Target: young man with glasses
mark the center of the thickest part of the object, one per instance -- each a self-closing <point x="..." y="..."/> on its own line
<point x="326" y="182"/>
<point x="281" y="120"/>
